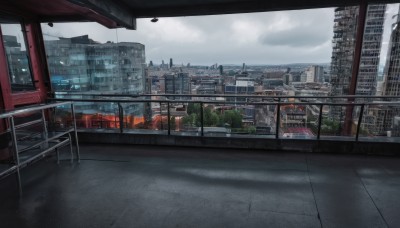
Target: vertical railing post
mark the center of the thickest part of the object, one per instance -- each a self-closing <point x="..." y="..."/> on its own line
<point x="16" y="155"/>
<point x="319" y="121"/>
<point x="121" y="118"/>
<point x="201" y="119"/>
<point x="278" y="118"/>
<point x="169" y="118"/>
<point x="78" y="156"/>
<point x="45" y="131"/>
<point x="359" y="121"/>
<point x="161" y="117"/>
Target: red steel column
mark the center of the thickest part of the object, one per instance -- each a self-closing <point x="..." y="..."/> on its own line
<point x="356" y="65"/>
<point x="6" y="99"/>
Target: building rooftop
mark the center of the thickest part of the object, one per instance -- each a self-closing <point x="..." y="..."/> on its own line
<point x="150" y="186"/>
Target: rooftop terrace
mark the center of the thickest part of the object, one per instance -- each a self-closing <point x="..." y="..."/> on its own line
<point x="153" y="186"/>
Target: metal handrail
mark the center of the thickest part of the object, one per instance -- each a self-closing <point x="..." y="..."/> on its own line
<point x="225" y="102"/>
<point x="225" y="95"/>
<point x="26" y="109"/>
<point x="278" y="103"/>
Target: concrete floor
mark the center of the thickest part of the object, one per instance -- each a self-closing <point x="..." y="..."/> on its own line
<point x="149" y="186"/>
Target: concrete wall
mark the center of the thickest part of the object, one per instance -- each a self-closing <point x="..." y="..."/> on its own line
<point x="268" y="144"/>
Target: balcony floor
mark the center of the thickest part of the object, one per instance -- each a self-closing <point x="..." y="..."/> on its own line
<point x="153" y="186"/>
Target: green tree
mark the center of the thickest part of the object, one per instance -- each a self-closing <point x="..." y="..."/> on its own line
<point x="214" y="119"/>
<point x="330" y="126"/>
<point x="193" y="108"/>
<point x="192" y="120"/>
<point x="251" y="129"/>
<point x="173" y="123"/>
<point x="233" y="118"/>
<point x="210" y="117"/>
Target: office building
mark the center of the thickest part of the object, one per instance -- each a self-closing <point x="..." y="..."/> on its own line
<point x="177" y="83"/>
<point x="81" y="65"/>
<point x="345" y="29"/>
<point x="383" y="117"/>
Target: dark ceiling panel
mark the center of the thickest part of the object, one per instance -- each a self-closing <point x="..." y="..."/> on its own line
<point x="160" y="8"/>
<point x="100" y="10"/>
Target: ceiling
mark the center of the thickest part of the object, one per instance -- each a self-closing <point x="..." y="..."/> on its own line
<point x="165" y="8"/>
<point x="123" y="13"/>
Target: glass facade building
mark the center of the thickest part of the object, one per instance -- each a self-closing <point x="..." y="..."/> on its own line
<point x="80" y="66"/>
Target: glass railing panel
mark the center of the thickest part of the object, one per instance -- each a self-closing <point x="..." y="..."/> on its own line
<point x="90" y="115"/>
<point x="339" y="120"/>
<point x="380" y="122"/>
<point x="297" y="122"/>
<point x="185" y="118"/>
<point x="143" y="117"/>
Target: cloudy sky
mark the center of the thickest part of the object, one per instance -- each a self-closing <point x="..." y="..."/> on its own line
<point x="301" y="36"/>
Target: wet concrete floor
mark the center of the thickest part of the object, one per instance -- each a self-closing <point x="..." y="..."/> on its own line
<point x="154" y="186"/>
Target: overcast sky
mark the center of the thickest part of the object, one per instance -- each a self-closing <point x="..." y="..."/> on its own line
<point x="301" y="36"/>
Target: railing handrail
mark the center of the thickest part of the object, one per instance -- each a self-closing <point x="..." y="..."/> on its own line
<point x="37" y="107"/>
<point x="227" y="95"/>
<point x="227" y="102"/>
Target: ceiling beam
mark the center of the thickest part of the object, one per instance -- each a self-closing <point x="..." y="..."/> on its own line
<point x="111" y="10"/>
<point x="214" y="7"/>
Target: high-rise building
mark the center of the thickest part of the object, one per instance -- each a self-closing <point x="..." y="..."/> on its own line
<point x="315" y="74"/>
<point x="383" y="117"/>
<point x="18" y="65"/>
<point x="178" y="83"/>
<point x="345" y="29"/>
<point x="391" y="85"/>
<point x="79" y="64"/>
<point x="242" y="86"/>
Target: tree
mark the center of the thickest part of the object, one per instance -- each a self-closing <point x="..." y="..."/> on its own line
<point x="191" y="120"/>
<point x="210" y="118"/>
<point x="193" y="108"/>
<point x="233" y="118"/>
<point x="329" y="126"/>
<point x="172" y="123"/>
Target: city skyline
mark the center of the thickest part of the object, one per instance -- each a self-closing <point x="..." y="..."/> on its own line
<point x="256" y="38"/>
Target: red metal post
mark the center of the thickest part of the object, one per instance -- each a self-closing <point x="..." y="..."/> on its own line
<point x="362" y="14"/>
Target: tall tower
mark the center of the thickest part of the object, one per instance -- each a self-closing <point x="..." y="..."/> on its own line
<point x="392" y="69"/>
<point x="385" y="115"/>
<point x="345" y="29"/>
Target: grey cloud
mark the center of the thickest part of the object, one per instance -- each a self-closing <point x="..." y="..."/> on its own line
<point x="218" y="45"/>
<point x="308" y="28"/>
<point x="301" y="36"/>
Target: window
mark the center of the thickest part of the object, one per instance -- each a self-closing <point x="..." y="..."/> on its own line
<point x="19" y="69"/>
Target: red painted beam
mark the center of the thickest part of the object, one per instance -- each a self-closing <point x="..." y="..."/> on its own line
<point x="6" y="99"/>
<point x="362" y="14"/>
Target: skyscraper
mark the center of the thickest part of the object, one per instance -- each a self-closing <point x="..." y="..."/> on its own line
<point x="384" y="116"/>
<point x="79" y="64"/>
<point x="392" y="70"/>
<point x="314" y="74"/>
<point x="345" y="29"/>
<point x="18" y="66"/>
<point x="178" y="83"/>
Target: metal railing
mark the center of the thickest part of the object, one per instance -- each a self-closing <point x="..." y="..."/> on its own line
<point x="358" y="103"/>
